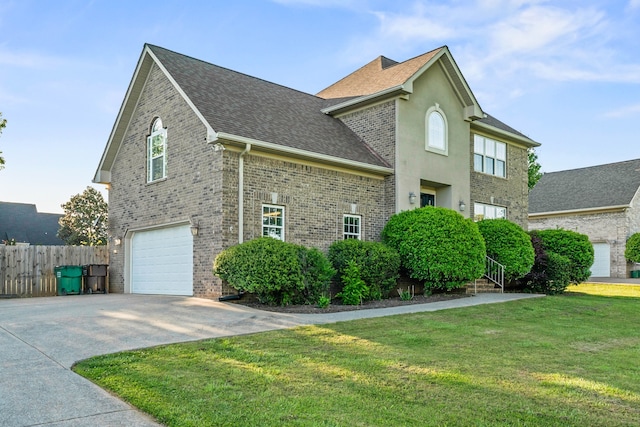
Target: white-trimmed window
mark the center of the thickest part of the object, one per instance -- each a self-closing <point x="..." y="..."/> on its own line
<point x="273" y="221"/>
<point x="489" y="156"/>
<point x="157" y="152"/>
<point x="351" y="227"/>
<point x="436" y="130"/>
<point x="482" y="211"/>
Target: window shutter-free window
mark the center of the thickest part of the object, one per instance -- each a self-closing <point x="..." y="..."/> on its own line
<point x="489" y="156"/>
<point x="156" y="152"/>
<point x="273" y="221"/>
<point x="351" y="227"/>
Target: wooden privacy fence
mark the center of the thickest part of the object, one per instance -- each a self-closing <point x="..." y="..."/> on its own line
<point x="28" y="271"/>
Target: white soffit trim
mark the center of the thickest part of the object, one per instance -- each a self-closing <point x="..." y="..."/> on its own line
<point x="616" y="208"/>
<point x="299" y="153"/>
<point x="524" y="140"/>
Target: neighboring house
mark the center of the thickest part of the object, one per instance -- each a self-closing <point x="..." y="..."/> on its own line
<point x="201" y="158"/>
<point x="602" y="202"/>
<point x="24" y="224"/>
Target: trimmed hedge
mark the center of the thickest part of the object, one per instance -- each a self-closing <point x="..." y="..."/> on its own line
<point x="632" y="248"/>
<point x="573" y="245"/>
<point x="508" y="244"/>
<point x="378" y="265"/>
<point x="279" y="273"/>
<point x="438" y="246"/>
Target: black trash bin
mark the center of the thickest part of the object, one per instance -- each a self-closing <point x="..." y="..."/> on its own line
<point x="95" y="278"/>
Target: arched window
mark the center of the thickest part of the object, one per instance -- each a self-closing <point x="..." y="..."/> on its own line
<point x="436" y="131"/>
<point x="156" y="152"/>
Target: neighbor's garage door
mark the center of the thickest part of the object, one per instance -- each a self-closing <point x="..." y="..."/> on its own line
<point x="601" y="260"/>
<point x="162" y="261"/>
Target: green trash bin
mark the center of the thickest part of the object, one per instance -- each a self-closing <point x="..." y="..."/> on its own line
<point x="635" y="274"/>
<point x="68" y="279"/>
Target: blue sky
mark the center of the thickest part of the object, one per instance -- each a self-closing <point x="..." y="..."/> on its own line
<point x="566" y="73"/>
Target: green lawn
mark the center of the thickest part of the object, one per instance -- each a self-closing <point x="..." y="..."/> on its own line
<point x="568" y="360"/>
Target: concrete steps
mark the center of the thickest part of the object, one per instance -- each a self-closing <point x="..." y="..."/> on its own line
<point x="482" y="286"/>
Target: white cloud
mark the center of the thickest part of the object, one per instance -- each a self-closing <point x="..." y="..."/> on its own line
<point x="419" y="25"/>
<point x="628" y="111"/>
<point x="538" y="28"/>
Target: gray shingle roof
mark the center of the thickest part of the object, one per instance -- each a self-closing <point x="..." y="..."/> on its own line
<point x="24" y="223"/>
<point x="492" y="121"/>
<point x="601" y="186"/>
<point x="246" y="106"/>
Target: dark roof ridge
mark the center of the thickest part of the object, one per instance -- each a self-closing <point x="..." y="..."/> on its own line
<point x="595" y="166"/>
<point x="423" y="54"/>
<point x="233" y="71"/>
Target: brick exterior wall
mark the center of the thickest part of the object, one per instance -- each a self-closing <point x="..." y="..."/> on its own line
<point x="511" y="192"/>
<point x="314" y="199"/>
<point x="377" y="127"/>
<point x="192" y="190"/>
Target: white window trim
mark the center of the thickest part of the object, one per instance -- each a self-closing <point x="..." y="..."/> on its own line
<point x="436" y="109"/>
<point x="357" y="235"/>
<point x="483" y="139"/>
<point x="280" y="227"/>
<point x="484" y="211"/>
<point x="154" y="133"/>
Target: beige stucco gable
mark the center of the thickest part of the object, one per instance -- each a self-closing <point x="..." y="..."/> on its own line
<point x="419" y="169"/>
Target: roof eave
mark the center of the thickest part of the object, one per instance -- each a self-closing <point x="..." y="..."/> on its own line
<point x="530" y="143"/>
<point x="383" y="95"/>
<point x="616" y="208"/>
<point x="269" y="147"/>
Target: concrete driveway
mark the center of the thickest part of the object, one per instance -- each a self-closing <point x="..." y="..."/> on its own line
<point x="41" y="338"/>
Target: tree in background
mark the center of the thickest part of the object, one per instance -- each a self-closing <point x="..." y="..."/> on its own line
<point x="85" y="219"/>
<point x="534" y="168"/>
<point x="3" y="124"/>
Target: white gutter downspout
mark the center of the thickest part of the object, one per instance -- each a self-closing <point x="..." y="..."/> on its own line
<point x="247" y="148"/>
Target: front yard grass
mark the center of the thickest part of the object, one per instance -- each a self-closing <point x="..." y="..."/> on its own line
<point x="567" y="360"/>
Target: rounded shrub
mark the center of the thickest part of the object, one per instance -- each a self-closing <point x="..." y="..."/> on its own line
<point x="277" y="272"/>
<point x="508" y="244"/>
<point x="573" y="245"/>
<point x="632" y="248"/>
<point x="378" y="265"/>
<point x="437" y="245"/>
<point x="551" y="272"/>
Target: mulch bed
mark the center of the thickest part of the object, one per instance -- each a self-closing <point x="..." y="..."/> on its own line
<point x="337" y="306"/>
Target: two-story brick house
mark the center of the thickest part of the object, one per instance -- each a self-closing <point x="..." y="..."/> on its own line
<point x="201" y="158"/>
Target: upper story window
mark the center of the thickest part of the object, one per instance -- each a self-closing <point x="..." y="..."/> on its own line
<point x="489" y="156"/>
<point x="273" y="221"/>
<point x="436" y="131"/>
<point x="157" y="152"/>
<point x="351" y="227"/>
<point x="482" y="211"/>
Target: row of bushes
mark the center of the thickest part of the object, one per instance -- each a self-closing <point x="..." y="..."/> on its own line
<point x="437" y="246"/>
<point x="282" y="273"/>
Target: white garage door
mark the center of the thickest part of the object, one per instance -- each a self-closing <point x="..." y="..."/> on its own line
<point x="162" y="261"/>
<point x="601" y="260"/>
